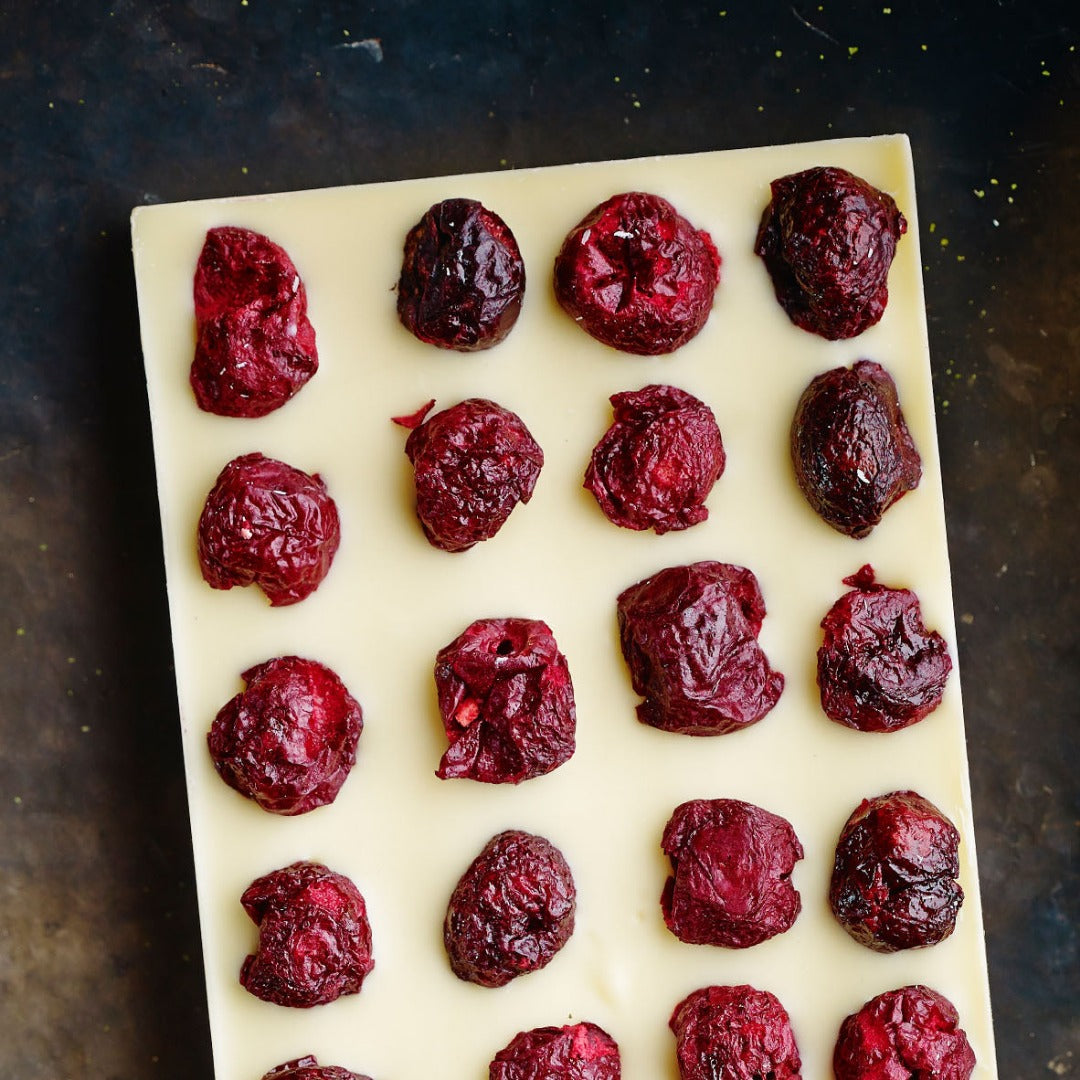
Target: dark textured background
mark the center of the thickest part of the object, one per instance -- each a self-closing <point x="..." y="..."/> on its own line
<point x="103" y="107"/>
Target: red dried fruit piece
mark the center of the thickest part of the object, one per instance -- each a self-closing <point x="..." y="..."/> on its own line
<point x="308" y="1068"/>
<point x="851" y="448"/>
<point x="507" y="702"/>
<point x="637" y="276"/>
<point x="255" y="346"/>
<point x="473" y="463"/>
<point x="268" y="524"/>
<point x="573" y="1052"/>
<point x="828" y="239"/>
<point x="462" y="277"/>
<point x="894" y="881"/>
<point x="657" y="463"/>
<point x="689" y="637"/>
<point x="734" y="1033"/>
<point x="904" y="1034"/>
<point x="314" y="937"/>
<point x="512" y="910"/>
<point x="288" y="741"/>
<point x="878" y="667"/>
<point x="731" y="867"/>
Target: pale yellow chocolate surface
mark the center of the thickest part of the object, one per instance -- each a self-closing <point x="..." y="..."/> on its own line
<point x="391" y="601"/>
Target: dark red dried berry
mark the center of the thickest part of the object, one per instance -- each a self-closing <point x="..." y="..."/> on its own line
<point x="314" y="937"/>
<point x="288" y="741"/>
<point x="657" y="463"/>
<point x="906" y="1034"/>
<point x="878" y="667"/>
<point x="512" y="910"/>
<point x="255" y="346"/>
<point x="268" y="524"/>
<point x="637" y="275"/>
<point x="308" y="1068"/>
<point x="473" y="463"/>
<point x="574" y="1052"/>
<point x="828" y="239"/>
<point x="731" y="867"/>
<point x="894" y="881"/>
<point x="689" y="637"/>
<point x="507" y="702"/>
<point x="851" y="448"/>
<point x="734" y="1033"/>
<point x="462" y="277"/>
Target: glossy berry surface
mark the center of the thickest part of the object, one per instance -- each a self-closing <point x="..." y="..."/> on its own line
<point x="308" y="1068"/>
<point x="573" y="1052"/>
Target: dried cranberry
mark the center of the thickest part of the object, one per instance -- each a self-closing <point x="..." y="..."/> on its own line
<point x="879" y="668"/>
<point x="657" y="463"/>
<point x="255" y="346"/>
<point x="507" y="702"/>
<point x="894" y="881"/>
<point x="828" y="239"/>
<point x="637" y="275"/>
<point x="734" y="1033"/>
<point x="473" y="462"/>
<point x="731" y="867"/>
<point x="462" y="277"/>
<point x="689" y="637"/>
<point x="851" y="448"/>
<point x="268" y="524"/>
<point x="288" y="741"/>
<point x="314" y="937"/>
<point x="574" y="1052"/>
<point x="512" y="910"/>
<point x="912" y="1032"/>
<point x="307" y="1068"/>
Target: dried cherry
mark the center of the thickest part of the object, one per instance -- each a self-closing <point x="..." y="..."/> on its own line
<point x="507" y="702"/>
<point x="734" y="1033"/>
<point x="473" y="463"/>
<point x="828" y="239"/>
<point x="288" y="740"/>
<point x="851" y="448"/>
<point x="878" y="667"/>
<point x="255" y="345"/>
<point x="462" y="277"/>
<point x="268" y="524"/>
<point x="573" y="1052"/>
<point x="912" y="1032"/>
<point x="657" y="463"/>
<point x="894" y="880"/>
<point x="512" y="910"/>
<point x="636" y="275"/>
<point x="314" y="937"/>
<point x="731" y="867"/>
<point x="308" y="1068"/>
<point x="689" y="637"/>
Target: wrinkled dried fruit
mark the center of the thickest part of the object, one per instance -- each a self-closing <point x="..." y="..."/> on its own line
<point x="268" y="524"/>
<point x="462" y="277"/>
<point x="689" y="637"/>
<point x="637" y="275"/>
<point x="657" y="463"/>
<point x="894" y="881"/>
<point x="907" y="1034"/>
<point x="878" y="667"/>
<point x="314" y="937"/>
<point x="507" y="702"/>
<point x="512" y="910"/>
<point x="308" y="1068"/>
<point x="473" y="463"/>
<point x="731" y="867"/>
<point x="734" y="1033"/>
<point x="574" y="1052"/>
<point x="255" y="346"/>
<point x="828" y="239"/>
<point x="288" y="740"/>
<point x="852" y="451"/>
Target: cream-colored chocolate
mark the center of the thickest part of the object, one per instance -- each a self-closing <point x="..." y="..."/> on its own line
<point x="391" y="601"/>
